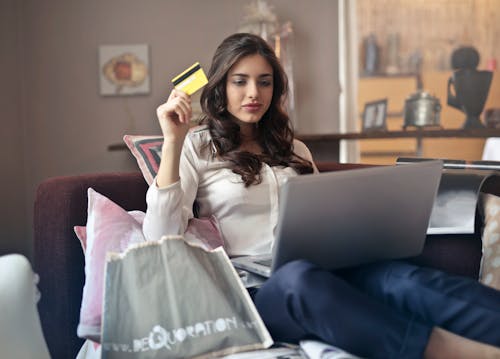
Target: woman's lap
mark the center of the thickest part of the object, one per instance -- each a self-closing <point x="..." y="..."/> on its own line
<point x="387" y="304"/>
<point x="301" y="300"/>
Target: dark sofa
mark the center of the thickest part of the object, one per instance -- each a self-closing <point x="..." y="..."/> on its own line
<point x="61" y="203"/>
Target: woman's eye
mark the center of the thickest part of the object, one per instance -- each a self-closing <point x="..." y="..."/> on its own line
<point x="243" y="82"/>
<point x="239" y="82"/>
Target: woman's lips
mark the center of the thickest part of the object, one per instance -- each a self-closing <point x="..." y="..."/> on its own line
<point x="252" y="107"/>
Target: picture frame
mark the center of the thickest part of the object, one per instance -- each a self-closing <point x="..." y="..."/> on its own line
<point x="124" y="70"/>
<point x="374" y="115"/>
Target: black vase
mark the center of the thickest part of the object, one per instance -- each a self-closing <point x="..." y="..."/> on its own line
<point x="471" y="88"/>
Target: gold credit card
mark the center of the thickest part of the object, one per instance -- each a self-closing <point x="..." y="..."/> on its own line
<point x="191" y="80"/>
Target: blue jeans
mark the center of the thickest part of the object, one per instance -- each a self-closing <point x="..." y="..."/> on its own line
<point x="381" y="310"/>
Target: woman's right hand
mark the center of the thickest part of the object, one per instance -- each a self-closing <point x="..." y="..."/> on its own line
<point x="174" y="116"/>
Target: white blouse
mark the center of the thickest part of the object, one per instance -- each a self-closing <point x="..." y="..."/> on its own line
<point x="247" y="216"/>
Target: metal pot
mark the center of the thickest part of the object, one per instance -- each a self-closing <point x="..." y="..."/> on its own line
<point x="421" y="109"/>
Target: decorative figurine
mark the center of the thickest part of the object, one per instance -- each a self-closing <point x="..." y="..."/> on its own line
<point x="470" y="86"/>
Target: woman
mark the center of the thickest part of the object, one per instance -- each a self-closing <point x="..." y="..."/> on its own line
<point x="232" y="169"/>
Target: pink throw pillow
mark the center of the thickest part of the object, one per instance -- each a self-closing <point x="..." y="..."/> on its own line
<point x="204" y="233"/>
<point x="81" y="231"/>
<point x="81" y="234"/>
<point x="109" y="229"/>
<point x="112" y="229"/>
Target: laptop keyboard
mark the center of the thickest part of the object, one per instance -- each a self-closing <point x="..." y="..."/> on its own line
<point x="265" y="262"/>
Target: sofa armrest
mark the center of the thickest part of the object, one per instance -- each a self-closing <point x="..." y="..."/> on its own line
<point x="60" y="204"/>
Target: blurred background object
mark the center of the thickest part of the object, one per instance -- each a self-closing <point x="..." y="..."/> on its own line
<point x="260" y="19"/>
<point x="21" y="335"/>
<point x="468" y="87"/>
<point x="492" y="117"/>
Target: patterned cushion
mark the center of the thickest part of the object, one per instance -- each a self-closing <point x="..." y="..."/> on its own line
<point x="490" y="262"/>
<point x="147" y="152"/>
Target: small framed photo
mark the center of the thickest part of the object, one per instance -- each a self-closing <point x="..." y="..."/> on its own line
<point x="374" y="115"/>
<point x="124" y="70"/>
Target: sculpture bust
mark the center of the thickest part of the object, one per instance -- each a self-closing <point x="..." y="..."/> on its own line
<point x="470" y="86"/>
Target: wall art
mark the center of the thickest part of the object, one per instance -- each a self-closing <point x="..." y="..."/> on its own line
<point x="124" y="70"/>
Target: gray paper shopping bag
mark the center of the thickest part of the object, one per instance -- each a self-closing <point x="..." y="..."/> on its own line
<point x="169" y="299"/>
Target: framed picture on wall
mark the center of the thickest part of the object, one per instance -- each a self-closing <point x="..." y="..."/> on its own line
<point x="124" y="70"/>
<point x="374" y="116"/>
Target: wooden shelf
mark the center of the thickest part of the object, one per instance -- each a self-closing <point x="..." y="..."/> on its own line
<point x="326" y="147"/>
<point x="411" y="133"/>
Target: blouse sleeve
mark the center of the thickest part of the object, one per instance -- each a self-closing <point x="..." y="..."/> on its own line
<point x="170" y="208"/>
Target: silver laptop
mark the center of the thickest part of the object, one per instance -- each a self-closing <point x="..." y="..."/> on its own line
<point x="346" y="218"/>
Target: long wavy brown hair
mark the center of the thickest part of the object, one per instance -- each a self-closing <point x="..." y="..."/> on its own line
<point x="274" y="133"/>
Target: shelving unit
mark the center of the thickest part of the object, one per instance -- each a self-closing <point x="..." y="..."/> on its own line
<point x="422" y="38"/>
<point x="396" y="90"/>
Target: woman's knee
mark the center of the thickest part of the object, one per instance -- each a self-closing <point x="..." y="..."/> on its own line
<point x="301" y="282"/>
<point x="287" y="284"/>
<point x="292" y="276"/>
<point x="381" y="278"/>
